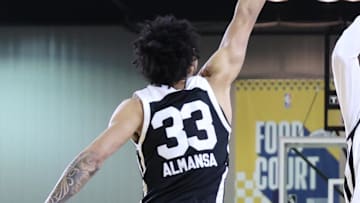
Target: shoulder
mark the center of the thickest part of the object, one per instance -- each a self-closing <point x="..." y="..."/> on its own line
<point x="130" y="108"/>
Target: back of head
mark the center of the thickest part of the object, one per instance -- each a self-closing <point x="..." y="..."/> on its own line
<point x="165" y="50"/>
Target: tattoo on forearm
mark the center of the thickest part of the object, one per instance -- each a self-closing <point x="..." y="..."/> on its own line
<point x="74" y="177"/>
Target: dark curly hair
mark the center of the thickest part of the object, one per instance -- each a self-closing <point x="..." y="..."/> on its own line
<point x="165" y="49"/>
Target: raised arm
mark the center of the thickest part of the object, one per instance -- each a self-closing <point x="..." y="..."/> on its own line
<point x="224" y="66"/>
<point x="125" y="122"/>
<point x="346" y="71"/>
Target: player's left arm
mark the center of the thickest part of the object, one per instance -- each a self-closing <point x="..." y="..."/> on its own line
<point x="346" y="71"/>
<point x="356" y="193"/>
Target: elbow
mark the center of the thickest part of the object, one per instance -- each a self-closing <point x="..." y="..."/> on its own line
<point x="92" y="159"/>
<point x="245" y="17"/>
<point x="338" y="57"/>
<point x="341" y="63"/>
<point x="249" y="10"/>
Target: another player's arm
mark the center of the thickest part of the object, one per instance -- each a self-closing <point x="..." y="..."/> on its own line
<point x="356" y="194"/>
<point x="125" y="122"/>
<point x="346" y="69"/>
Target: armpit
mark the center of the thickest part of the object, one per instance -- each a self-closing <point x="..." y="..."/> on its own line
<point x="135" y="137"/>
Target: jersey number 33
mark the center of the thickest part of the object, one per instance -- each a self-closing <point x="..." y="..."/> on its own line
<point x="177" y="131"/>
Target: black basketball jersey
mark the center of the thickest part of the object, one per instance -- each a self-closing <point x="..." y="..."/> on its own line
<point x="183" y="147"/>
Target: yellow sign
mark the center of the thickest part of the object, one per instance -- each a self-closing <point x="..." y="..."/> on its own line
<point x="264" y="111"/>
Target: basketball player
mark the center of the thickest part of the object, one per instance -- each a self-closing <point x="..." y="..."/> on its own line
<point x="180" y="123"/>
<point x="346" y="71"/>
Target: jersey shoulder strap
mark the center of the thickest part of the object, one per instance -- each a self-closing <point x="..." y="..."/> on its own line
<point x="202" y="83"/>
<point x="147" y="95"/>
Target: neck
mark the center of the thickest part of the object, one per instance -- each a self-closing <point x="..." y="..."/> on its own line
<point x="179" y="85"/>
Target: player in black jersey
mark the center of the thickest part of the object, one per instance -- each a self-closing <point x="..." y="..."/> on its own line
<point x="346" y="71"/>
<point x="180" y="123"/>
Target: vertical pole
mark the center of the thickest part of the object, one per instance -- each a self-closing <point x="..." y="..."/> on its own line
<point x="327" y="78"/>
<point x="282" y="175"/>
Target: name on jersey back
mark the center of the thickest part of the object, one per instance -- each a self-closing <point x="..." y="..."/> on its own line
<point x="191" y="162"/>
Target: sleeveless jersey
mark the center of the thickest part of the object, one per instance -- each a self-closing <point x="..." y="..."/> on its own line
<point x="183" y="150"/>
<point x="346" y="72"/>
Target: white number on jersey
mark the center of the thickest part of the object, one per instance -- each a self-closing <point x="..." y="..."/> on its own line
<point x="177" y="129"/>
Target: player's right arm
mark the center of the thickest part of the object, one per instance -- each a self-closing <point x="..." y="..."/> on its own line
<point x="227" y="61"/>
<point x="346" y="71"/>
<point x="225" y="64"/>
<point x="126" y="121"/>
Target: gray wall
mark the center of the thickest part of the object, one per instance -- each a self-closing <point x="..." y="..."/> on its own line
<point x="58" y="89"/>
<point x="279" y="56"/>
<point x="60" y="85"/>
